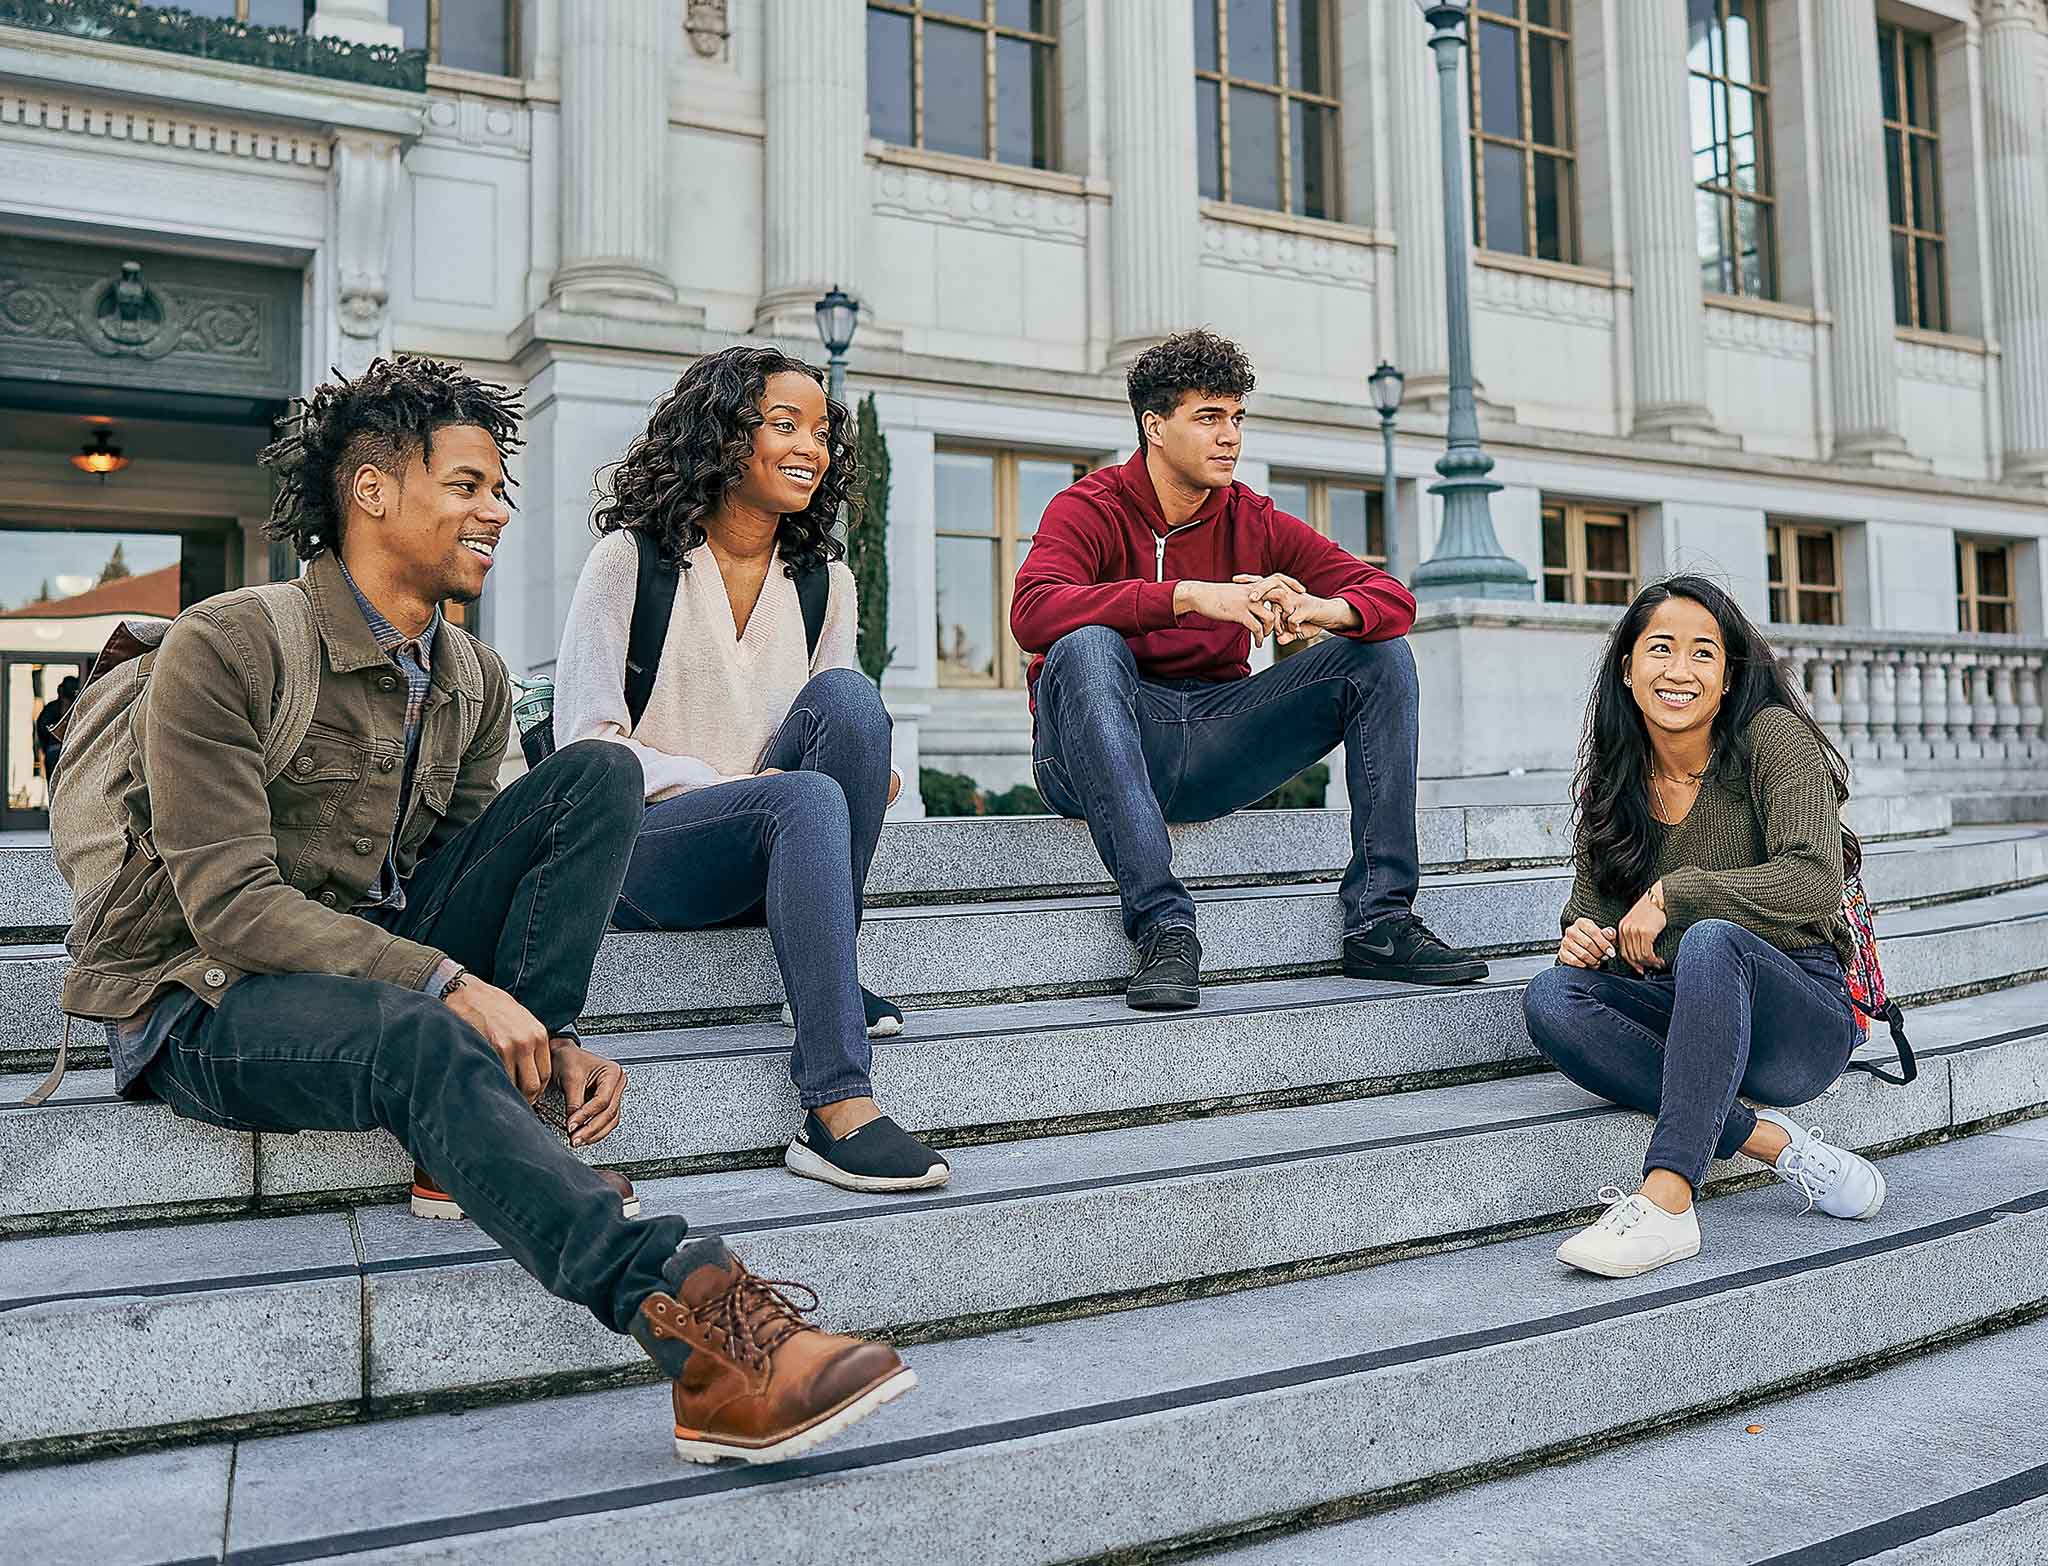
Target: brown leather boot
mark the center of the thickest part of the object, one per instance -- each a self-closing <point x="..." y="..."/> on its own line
<point x="430" y="1201"/>
<point x="759" y="1382"/>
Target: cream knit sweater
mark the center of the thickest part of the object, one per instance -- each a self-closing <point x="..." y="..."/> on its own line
<point x="717" y="700"/>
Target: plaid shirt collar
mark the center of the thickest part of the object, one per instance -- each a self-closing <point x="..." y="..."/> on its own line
<point x="419" y="648"/>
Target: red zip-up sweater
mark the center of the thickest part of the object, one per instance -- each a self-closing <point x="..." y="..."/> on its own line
<point x="1104" y="556"/>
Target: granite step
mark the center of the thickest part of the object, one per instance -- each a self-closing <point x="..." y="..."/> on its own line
<point x="978" y="857"/>
<point x="931" y="954"/>
<point x="1793" y="1484"/>
<point x="335" y="1312"/>
<point x="1184" y="1422"/>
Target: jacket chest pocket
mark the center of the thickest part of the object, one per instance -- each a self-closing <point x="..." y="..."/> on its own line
<point x="314" y="785"/>
<point x="432" y="788"/>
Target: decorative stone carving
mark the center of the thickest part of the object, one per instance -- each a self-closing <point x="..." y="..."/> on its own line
<point x="162" y="127"/>
<point x="126" y="316"/>
<point x="478" y="122"/>
<point x="960" y="201"/>
<point x="1246" y="247"/>
<point x="708" y="27"/>
<point x="1546" y="298"/>
<point x="1767" y="334"/>
<point x="1941" y="366"/>
<point x="366" y="182"/>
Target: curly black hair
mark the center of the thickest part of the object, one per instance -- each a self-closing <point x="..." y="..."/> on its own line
<point x="679" y="470"/>
<point x="381" y="417"/>
<point x="1196" y="361"/>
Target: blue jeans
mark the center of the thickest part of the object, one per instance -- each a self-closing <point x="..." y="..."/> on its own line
<point x="1129" y="755"/>
<point x="801" y="841"/>
<point x="1733" y="1015"/>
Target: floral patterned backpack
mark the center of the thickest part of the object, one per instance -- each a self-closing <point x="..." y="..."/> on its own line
<point x="1865" y="981"/>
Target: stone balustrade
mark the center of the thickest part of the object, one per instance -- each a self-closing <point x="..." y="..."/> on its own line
<point x="1924" y="700"/>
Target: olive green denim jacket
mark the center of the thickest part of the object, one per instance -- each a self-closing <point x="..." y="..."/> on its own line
<point x="230" y="877"/>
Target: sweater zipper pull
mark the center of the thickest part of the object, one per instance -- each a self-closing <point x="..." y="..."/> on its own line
<point x="1160" y="542"/>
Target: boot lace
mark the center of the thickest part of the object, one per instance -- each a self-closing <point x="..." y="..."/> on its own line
<point x="755" y="1316"/>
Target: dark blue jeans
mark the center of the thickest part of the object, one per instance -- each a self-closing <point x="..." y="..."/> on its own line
<point x="801" y="841"/>
<point x="1129" y="755"/>
<point x="1733" y="1015"/>
<point x="521" y="898"/>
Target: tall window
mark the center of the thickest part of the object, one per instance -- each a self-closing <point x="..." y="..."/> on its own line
<point x="1912" y="164"/>
<point x="1589" y="555"/>
<point x="1266" y="104"/>
<point x="1524" y="195"/>
<point x="1348" y="513"/>
<point x="257" y="13"/>
<point x="1805" y="574"/>
<point x="1731" y="150"/>
<point x="470" y="35"/>
<point x="988" y="504"/>
<point x="971" y="77"/>
<point x="1985" y="600"/>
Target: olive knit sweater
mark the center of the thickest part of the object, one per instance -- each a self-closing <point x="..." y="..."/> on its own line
<point x="1764" y="852"/>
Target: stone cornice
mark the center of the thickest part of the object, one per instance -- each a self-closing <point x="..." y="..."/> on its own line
<point x="1259" y="248"/>
<point x="161" y="126"/>
<point x="1547" y="298"/>
<point x="959" y="201"/>
<point x="1751" y="331"/>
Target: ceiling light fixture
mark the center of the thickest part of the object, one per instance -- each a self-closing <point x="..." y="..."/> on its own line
<point x="99" y="455"/>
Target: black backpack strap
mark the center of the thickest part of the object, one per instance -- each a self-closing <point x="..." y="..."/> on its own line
<point x="1909" y="1068"/>
<point x="814" y="592"/>
<point x="654" y="601"/>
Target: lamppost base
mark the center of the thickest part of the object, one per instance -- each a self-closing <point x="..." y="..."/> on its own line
<point x="1468" y="562"/>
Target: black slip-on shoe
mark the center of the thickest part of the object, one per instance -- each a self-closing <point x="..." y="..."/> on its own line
<point x="884" y="1017"/>
<point x="1169" y="976"/>
<point x="880" y="1156"/>
<point x="1401" y="947"/>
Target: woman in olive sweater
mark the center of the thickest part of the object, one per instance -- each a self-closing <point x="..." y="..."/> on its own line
<point x="1704" y="943"/>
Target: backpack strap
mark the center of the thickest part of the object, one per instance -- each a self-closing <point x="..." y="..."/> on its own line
<point x="298" y="641"/>
<point x="1909" y="1068"/>
<point x="813" y="593"/>
<point x="654" y="603"/>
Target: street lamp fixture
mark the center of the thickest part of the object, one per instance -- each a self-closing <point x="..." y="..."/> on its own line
<point x="1387" y="383"/>
<point x="838" y="318"/>
<point x="1468" y="562"/>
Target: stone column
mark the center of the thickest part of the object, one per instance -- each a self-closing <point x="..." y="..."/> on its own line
<point x="614" y="165"/>
<point x="1415" y="174"/>
<point x="367" y="176"/>
<point x="1154" y="213"/>
<point x="815" y="66"/>
<point x="1856" y="233"/>
<point x="1668" y="314"/>
<point x="2016" y="225"/>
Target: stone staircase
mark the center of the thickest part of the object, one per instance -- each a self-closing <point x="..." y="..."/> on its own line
<point x="1281" y="1264"/>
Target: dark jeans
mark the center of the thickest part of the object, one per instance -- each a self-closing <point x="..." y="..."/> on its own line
<point x="1733" y="1015"/>
<point x="1129" y="755"/>
<point x="520" y="897"/>
<point x="803" y="842"/>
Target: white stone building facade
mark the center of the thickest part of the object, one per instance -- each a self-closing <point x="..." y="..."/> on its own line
<point x="1761" y="288"/>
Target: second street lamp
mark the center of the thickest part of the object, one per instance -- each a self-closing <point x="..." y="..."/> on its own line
<point x="1468" y="562"/>
<point x="1387" y="383"/>
<point x="838" y="316"/>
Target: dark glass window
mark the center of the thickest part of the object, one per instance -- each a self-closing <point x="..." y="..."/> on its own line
<point x="470" y="35"/>
<point x="1266" y="104"/>
<point x="1524" y="166"/>
<point x="975" y="78"/>
<point x="1912" y="159"/>
<point x="1731" y="163"/>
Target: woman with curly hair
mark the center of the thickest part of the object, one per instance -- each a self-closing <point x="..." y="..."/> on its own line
<point x="1704" y="941"/>
<point x="765" y="749"/>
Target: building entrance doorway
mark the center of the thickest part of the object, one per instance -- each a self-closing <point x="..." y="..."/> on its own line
<point x="34" y="694"/>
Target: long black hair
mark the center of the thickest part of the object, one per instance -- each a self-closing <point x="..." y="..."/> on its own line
<point x="696" y="447"/>
<point x="1617" y="837"/>
<point x="382" y="416"/>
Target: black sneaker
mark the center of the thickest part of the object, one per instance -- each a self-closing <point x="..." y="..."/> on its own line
<point x="1169" y="976"/>
<point x="885" y="1017"/>
<point x="1401" y="947"/>
<point x="880" y="1156"/>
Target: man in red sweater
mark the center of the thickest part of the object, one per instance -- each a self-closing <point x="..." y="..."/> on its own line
<point x="1145" y="588"/>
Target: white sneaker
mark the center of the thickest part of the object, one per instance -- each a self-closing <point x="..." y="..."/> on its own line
<point x="1632" y="1237"/>
<point x="1840" y="1183"/>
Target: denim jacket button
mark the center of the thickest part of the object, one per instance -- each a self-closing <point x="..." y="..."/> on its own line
<point x="215" y="978"/>
<point x="385" y="764"/>
<point x="329" y="900"/>
<point x="388" y="683"/>
<point x="303" y="765"/>
<point x="364" y="845"/>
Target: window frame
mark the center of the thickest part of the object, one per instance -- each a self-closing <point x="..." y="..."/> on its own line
<point x="1728" y="196"/>
<point x="1573" y="515"/>
<point x="513" y="42"/>
<point x="915" y="12"/>
<point x="1287" y="95"/>
<point x="1010" y="659"/>
<point x="1788" y="584"/>
<point x="1319" y="486"/>
<point x="1526" y="147"/>
<point x="1900" y="44"/>
<point x="1970" y="597"/>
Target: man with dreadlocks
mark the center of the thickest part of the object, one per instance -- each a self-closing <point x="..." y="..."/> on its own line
<point x="378" y="937"/>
